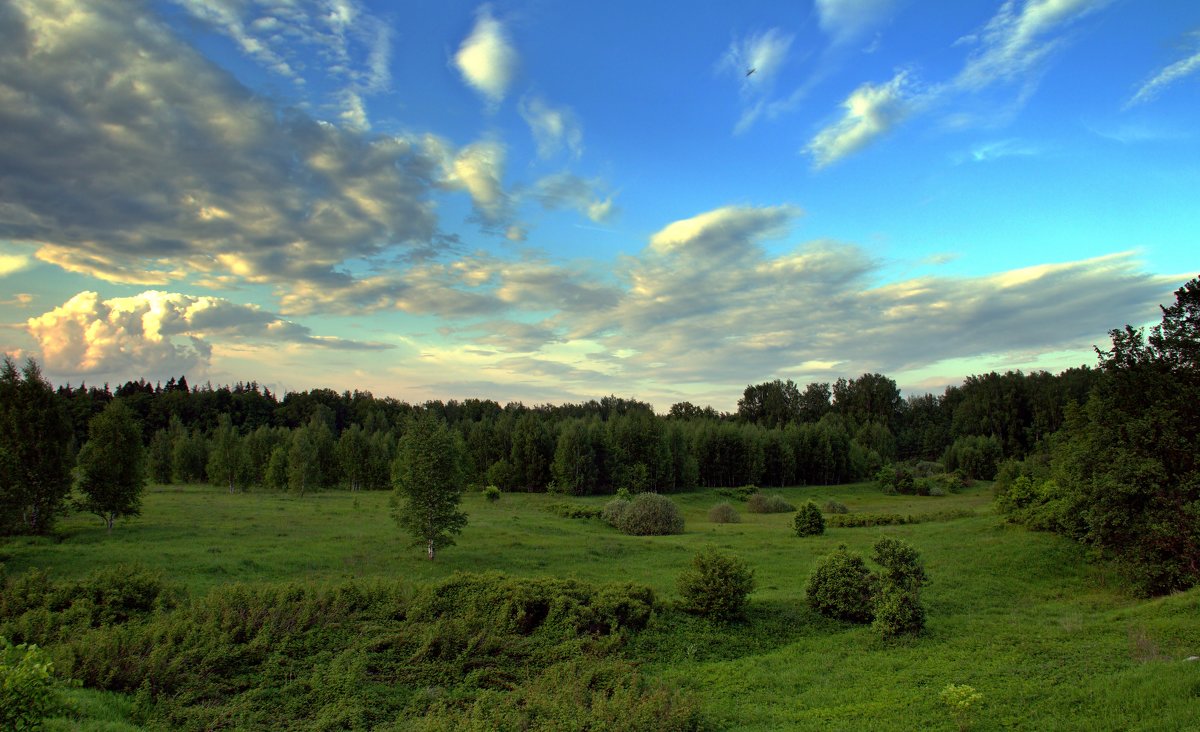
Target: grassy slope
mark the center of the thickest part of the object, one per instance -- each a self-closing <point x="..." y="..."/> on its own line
<point x="1022" y="617"/>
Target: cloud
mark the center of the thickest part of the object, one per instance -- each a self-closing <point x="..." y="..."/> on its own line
<point x="687" y="317"/>
<point x="486" y="59"/>
<point x="13" y="263"/>
<point x="848" y="20"/>
<point x="869" y="112"/>
<point x="131" y="158"/>
<point x="301" y="40"/>
<point x="158" y="333"/>
<point x="765" y="53"/>
<point x="553" y="128"/>
<point x="1016" y="41"/>
<point x="20" y="299"/>
<point x="722" y="233"/>
<point x="566" y="190"/>
<point x="989" y="151"/>
<point x="1151" y="88"/>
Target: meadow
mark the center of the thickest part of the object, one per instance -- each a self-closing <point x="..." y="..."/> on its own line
<point x="1050" y="639"/>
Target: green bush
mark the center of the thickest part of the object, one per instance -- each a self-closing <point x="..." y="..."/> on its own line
<point x="835" y="507"/>
<point x="858" y="520"/>
<point x="614" y="510"/>
<point x="809" y="521"/>
<point x="28" y="691"/>
<point x="723" y="513"/>
<point x="574" y="510"/>
<point x="898" y="611"/>
<point x="902" y="564"/>
<point x="716" y="585"/>
<point x="649" y="514"/>
<point x="762" y="503"/>
<point x="741" y="493"/>
<point x="492" y="493"/>
<point x="842" y="587"/>
<point x="976" y="456"/>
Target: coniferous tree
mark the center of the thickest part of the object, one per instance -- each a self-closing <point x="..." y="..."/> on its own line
<point x="35" y="447"/>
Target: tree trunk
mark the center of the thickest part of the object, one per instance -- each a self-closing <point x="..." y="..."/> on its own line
<point x="431" y="550"/>
<point x="109" y="520"/>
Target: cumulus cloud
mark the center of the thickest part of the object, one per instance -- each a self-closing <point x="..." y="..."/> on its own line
<point x="128" y="156"/>
<point x="1152" y="87"/>
<point x="486" y="59"/>
<point x="848" y="20"/>
<point x="554" y="128"/>
<point x="158" y="333"/>
<point x="870" y="111"/>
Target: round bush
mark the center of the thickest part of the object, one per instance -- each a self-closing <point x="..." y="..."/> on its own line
<point x="724" y="513"/>
<point x="650" y="514"/>
<point x="835" y="507"/>
<point x="716" y="585"/>
<point x="841" y="587"/>
<point x="613" y="511"/>
<point x="762" y="503"/>
<point x="492" y="493"/>
<point x="809" y="521"/>
<point x="898" y="612"/>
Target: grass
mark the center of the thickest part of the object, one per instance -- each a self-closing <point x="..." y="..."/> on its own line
<point x="1049" y="639"/>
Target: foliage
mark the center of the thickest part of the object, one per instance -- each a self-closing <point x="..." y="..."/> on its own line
<point x="841" y="586"/>
<point x="225" y="454"/>
<point x="111" y="470"/>
<point x="961" y="700"/>
<point x="723" y="513"/>
<point x="902" y="564"/>
<point x="28" y="690"/>
<point x="491" y="493"/>
<point x="715" y="585"/>
<point x="976" y="456"/>
<point x="860" y="520"/>
<point x="648" y="514"/>
<point x="35" y="450"/>
<point x="762" y="503"/>
<point x="898" y="611"/>
<point x="574" y="510"/>
<point x="835" y="507"/>
<point x="614" y="511"/>
<point x="809" y="521"/>
<point x="740" y="493"/>
<point x="429" y="484"/>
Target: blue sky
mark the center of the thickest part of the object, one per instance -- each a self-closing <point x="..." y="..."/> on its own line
<point x="553" y="201"/>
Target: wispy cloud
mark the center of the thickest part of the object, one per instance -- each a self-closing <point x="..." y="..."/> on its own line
<point x="486" y="59"/>
<point x="13" y="263"/>
<point x="869" y="112"/>
<point x="554" y="128"/>
<point x="1156" y="84"/>
<point x="755" y="61"/>
<point x="566" y="190"/>
<point x="849" y="20"/>
<point x="986" y="152"/>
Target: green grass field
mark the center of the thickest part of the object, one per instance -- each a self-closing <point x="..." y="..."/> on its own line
<point x="1049" y="639"/>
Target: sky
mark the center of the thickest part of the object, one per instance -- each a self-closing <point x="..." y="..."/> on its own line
<point x="550" y="201"/>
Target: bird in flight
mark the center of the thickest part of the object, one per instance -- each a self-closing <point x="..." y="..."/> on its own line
<point x="751" y="71"/>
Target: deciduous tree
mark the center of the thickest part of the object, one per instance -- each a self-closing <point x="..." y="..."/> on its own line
<point x="429" y="484"/>
<point x="112" y="474"/>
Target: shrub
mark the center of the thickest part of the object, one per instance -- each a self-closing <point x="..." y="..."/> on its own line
<point x="492" y="493"/>
<point x="842" y="586"/>
<point x="740" y="493"/>
<point x="650" y="514"/>
<point x="898" y="611"/>
<point x="835" y="507"/>
<point x="961" y="700"/>
<point x="762" y="503"/>
<point x="28" y="692"/>
<point x="723" y="513"/>
<point x="901" y="563"/>
<point x="893" y="479"/>
<point x="614" y="510"/>
<point x="575" y="511"/>
<point x="624" y="494"/>
<point x="936" y="491"/>
<point x="716" y="585"/>
<point x="809" y="521"/>
<point x="857" y="520"/>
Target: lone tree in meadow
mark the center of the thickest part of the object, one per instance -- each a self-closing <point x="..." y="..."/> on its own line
<point x="429" y="479"/>
<point x="112" y="474"/>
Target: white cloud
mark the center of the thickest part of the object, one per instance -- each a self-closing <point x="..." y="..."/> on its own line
<point x="553" y="128"/>
<point x="723" y="232"/>
<point x="849" y="20"/>
<point x="765" y="53"/>
<point x="1016" y="41"/>
<point x="486" y="59"/>
<point x="157" y="333"/>
<point x="870" y="111"/>
<point x="1151" y="88"/>
<point x="566" y="190"/>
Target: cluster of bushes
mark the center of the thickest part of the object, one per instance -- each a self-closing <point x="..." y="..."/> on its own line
<point x="574" y="510"/>
<point x="842" y="586"/>
<point x="740" y="493"/>
<point x="762" y="503"/>
<point x="919" y="479"/>
<point x="470" y="652"/>
<point x="646" y="514"/>
<point x="858" y="520"/>
<point x="724" y="513"/>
